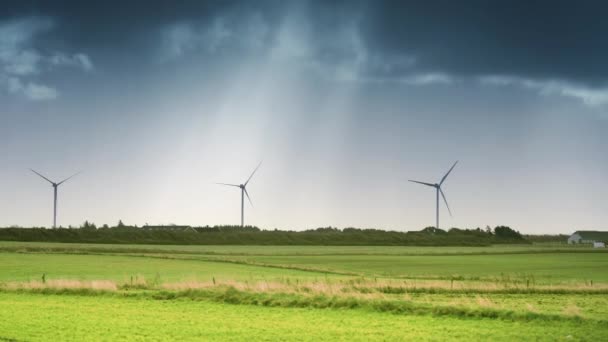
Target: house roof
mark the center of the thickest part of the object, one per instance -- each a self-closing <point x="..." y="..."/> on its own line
<point x="592" y="235"/>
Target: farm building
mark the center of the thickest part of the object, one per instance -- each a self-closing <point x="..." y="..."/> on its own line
<point x="588" y="236"/>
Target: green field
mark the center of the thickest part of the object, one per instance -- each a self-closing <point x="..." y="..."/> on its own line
<point x="54" y="291"/>
<point x="120" y="268"/>
<point x="53" y="318"/>
<point x="297" y="250"/>
<point x="553" y="267"/>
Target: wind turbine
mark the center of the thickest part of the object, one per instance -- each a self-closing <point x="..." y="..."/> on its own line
<point x="55" y="186"/>
<point x="244" y="193"/>
<point x="437" y="186"/>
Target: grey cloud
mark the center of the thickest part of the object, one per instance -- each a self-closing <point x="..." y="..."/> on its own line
<point x="413" y="42"/>
<point x="30" y="90"/>
<point x="429" y="78"/>
<point x="21" y="62"/>
<point x="78" y="60"/>
<point x="542" y="39"/>
<point x="39" y="92"/>
<point x="562" y="40"/>
<point x="590" y="96"/>
<point x="226" y="31"/>
<point x="328" y="46"/>
<point x="16" y="57"/>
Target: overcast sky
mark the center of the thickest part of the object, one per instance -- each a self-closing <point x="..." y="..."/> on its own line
<point x="343" y="100"/>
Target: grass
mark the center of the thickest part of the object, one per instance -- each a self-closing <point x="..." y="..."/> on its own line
<point x="14" y="266"/>
<point x="147" y="292"/>
<point x="231" y="295"/>
<point x="52" y="318"/>
<point x="537" y="264"/>
<point x="545" y="267"/>
<point x="12" y="246"/>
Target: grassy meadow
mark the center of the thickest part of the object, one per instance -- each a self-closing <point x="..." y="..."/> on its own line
<point x="56" y="291"/>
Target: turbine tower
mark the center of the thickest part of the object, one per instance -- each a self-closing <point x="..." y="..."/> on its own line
<point x="437" y="187"/>
<point x="244" y="193"/>
<point x="55" y="186"/>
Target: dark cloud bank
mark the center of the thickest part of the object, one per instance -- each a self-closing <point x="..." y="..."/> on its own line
<point x="548" y="40"/>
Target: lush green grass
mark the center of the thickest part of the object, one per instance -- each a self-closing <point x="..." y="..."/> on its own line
<point x="540" y="268"/>
<point x="298" y="250"/>
<point x="21" y="267"/>
<point x="582" y="305"/>
<point x="544" y="268"/>
<point x="279" y="293"/>
<point x="53" y="318"/>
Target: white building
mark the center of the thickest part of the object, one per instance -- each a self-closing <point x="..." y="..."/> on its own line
<point x="588" y="236"/>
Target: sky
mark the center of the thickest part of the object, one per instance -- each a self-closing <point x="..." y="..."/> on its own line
<point x="343" y="101"/>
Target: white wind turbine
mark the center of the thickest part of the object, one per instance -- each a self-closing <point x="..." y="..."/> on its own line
<point x="244" y="193"/>
<point x="437" y="187"/>
<point x="55" y="186"/>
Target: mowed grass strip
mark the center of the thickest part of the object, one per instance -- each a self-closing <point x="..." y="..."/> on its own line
<point x="539" y="268"/>
<point x="22" y="267"/>
<point x="14" y="246"/>
<point x="75" y="318"/>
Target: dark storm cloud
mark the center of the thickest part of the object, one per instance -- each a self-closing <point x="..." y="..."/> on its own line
<point x="534" y="39"/>
<point x="93" y="23"/>
<point x="546" y="40"/>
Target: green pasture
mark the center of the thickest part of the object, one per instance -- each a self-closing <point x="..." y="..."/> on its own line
<point x="542" y="268"/>
<point x="364" y="310"/>
<point x="540" y="265"/>
<point x="38" y="317"/>
<point x="23" y="267"/>
<point x="582" y="305"/>
<point x="296" y="250"/>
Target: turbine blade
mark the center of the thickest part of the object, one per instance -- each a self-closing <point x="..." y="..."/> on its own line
<point x="446" y="201"/>
<point x="247" y="194"/>
<point x="48" y="180"/>
<point x="228" y="184"/>
<point x="423" y="183"/>
<point x="67" y="179"/>
<point x="446" y="175"/>
<point x="260" y="164"/>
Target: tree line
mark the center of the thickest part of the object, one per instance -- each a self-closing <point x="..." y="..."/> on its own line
<point x="251" y="235"/>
